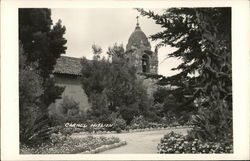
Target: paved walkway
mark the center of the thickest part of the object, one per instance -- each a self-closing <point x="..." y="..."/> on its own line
<point x="139" y="142"/>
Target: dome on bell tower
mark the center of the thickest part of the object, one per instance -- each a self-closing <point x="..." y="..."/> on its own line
<point x="137" y="39"/>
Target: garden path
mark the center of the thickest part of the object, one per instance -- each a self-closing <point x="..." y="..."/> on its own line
<point x="139" y="142"/>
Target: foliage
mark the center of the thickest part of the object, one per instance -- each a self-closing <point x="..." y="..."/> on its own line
<point x="152" y="116"/>
<point x="175" y="111"/>
<point x="202" y="38"/>
<point x="128" y="112"/>
<point x="66" y="131"/>
<point x="35" y="130"/>
<point x="97" y="50"/>
<point x="67" y="145"/>
<point x="30" y="83"/>
<point x="177" y="143"/>
<point x="116" y="51"/>
<point x="139" y="123"/>
<point x="56" y="119"/>
<point x="69" y="106"/>
<point x="51" y="92"/>
<point x="119" y="124"/>
<point x="94" y="79"/>
<point x="33" y="123"/>
<point x="206" y="126"/>
<point x="99" y="111"/>
<point x="113" y="87"/>
<point x="68" y="111"/>
<point x="170" y="104"/>
<point x="40" y="45"/>
<point x="160" y="94"/>
<point x="43" y="44"/>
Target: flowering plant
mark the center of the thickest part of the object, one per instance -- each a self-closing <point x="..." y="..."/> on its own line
<point x="61" y="144"/>
<point x="177" y="143"/>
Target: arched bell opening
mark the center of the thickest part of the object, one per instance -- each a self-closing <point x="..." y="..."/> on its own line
<point x="145" y="63"/>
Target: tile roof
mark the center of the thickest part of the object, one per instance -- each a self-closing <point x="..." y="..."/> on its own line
<point x="68" y="65"/>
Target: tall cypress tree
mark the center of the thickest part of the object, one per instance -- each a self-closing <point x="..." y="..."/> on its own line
<point x="42" y="44"/>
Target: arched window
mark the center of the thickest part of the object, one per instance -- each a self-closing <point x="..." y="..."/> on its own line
<point x="145" y="63"/>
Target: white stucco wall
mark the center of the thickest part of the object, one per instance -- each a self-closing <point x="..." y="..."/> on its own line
<point x="73" y="89"/>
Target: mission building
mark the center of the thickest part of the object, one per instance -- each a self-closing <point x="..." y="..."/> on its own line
<point x="67" y="71"/>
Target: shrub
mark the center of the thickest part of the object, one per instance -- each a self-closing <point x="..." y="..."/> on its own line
<point x="69" y="106"/>
<point x="177" y="143"/>
<point x="139" y="123"/>
<point x="119" y="124"/>
<point x="155" y="125"/>
<point x="57" y="119"/>
<point x="75" y="119"/>
<point x="57" y="138"/>
<point x="68" y="112"/>
<point x="171" y="104"/>
<point x="36" y="130"/>
<point x="212" y="125"/>
<point x="129" y="112"/>
<point x="66" y="131"/>
<point x="99" y="111"/>
<point x="56" y="129"/>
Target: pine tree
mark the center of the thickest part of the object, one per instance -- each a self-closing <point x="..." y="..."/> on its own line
<point x="202" y="37"/>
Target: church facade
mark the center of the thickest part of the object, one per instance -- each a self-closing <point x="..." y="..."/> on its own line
<point x="67" y="71"/>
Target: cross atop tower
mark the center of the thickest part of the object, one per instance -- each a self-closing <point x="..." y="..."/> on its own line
<point x="137" y="19"/>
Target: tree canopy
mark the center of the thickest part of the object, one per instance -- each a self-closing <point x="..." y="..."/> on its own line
<point x="112" y="86"/>
<point x="42" y="44"/>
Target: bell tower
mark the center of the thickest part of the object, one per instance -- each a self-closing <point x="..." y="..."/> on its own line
<point x="139" y="52"/>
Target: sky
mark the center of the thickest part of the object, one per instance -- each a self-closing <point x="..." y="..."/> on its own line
<point x="105" y="27"/>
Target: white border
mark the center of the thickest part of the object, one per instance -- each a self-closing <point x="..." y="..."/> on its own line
<point x="9" y="76"/>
